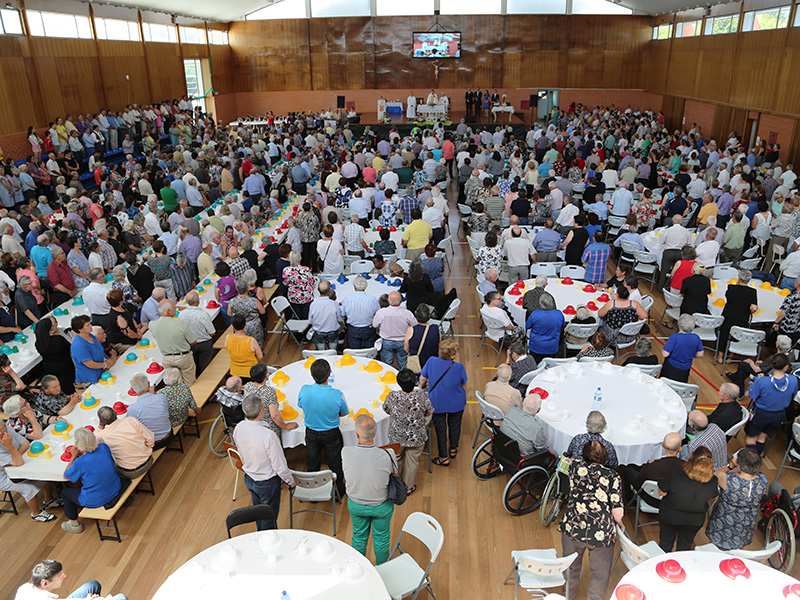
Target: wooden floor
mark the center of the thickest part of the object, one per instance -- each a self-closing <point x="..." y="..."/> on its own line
<point x="194" y="490"/>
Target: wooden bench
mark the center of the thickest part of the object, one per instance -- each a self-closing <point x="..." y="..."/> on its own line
<point x="206" y="385"/>
<point x="220" y="343"/>
<point x="109" y="515"/>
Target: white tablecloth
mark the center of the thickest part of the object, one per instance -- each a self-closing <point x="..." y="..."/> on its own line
<point x="431" y="111"/>
<point x="499" y="109"/>
<point x="304" y="564"/>
<point x="628" y="395"/>
<point x="769" y="300"/>
<point x="705" y="580"/>
<point x="564" y="295"/>
<point x="396" y="236"/>
<point x="374" y="288"/>
<point x="361" y="390"/>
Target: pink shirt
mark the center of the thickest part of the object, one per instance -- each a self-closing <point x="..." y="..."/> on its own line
<point x="393" y="322"/>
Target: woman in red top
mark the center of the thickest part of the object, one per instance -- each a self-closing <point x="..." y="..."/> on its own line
<point x="682" y="268"/>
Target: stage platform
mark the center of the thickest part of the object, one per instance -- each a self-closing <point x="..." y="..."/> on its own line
<point x="520" y="122"/>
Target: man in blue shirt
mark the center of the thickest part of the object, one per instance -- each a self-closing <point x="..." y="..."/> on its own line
<point x="30" y="239"/>
<point x="41" y="256"/>
<point x="546" y="243"/>
<point x="254" y="185"/>
<point x="361" y="206"/>
<point x="322" y="406"/>
<point x="178" y="185"/>
<point x="151" y="409"/>
<point x="299" y="177"/>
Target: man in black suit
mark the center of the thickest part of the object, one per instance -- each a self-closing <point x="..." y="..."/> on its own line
<point x="468" y="100"/>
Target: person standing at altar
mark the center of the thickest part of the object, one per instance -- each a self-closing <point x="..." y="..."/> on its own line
<point x="495" y="98"/>
<point x="433" y="99"/>
<point x="468" y="97"/>
<point x="411" y="108"/>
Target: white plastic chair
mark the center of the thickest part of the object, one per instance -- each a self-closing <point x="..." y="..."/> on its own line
<point x="687" y="391"/>
<point x="445" y="324"/>
<point x="492" y="323"/>
<point x="792" y="451"/>
<point x="614" y="225"/>
<point x="572" y="272"/>
<point x="403" y="264"/>
<point x="465" y="212"/>
<point x="579" y="331"/>
<point x="749" y="263"/>
<point x="650" y="488"/>
<point x="530" y="376"/>
<point x="734" y="430"/>
<point x="706" y="326"/>
<point x="745" y="342"/>
<point x="673" y="308"/>
<point x="724" y="273"/>
<point x="318" y="353"/>
<point x="647" y="303"/>
<point x="652" y="370"/>
<point x="633" y="555"/>
<point x="489" y="415"/>
<point x="599" y="359"/>
<point x="362" y="266"/>
<point x="289" y="327"/>
<point x="629" y="250"/>
<point x="758" y="555"/>
<point x="402" y="575"/>
<point x="549" y="362"/>
<point x="646" y="266"/>
<point x="548" y="269"/>
<point x="362" y="352"/>
<point x="537" y="570"/>
<point x="442" y="248"/>
<point x="316" y="486"/>
<point x="629" y="329"/>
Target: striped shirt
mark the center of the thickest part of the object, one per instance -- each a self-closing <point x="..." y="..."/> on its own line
<point x="360" y="309"/>
<point x="353" y="234"/>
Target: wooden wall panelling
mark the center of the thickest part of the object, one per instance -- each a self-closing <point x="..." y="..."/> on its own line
<point x="535" y="51"/>
<point x="787" y="90"/>
<point x="714" y="64"/>
<point x="727" y="119"/>
<point x="221" y="60"/>
<point x="681" y="71"/>
<point x="586" y="57"/>
<point x="167" y="80"/>
<point x="755" y="68"/>
<point x="673" y="108"/>
<point x="341" y="53"/>
<point x="17" y="85"/>
<point x="794" y="150"/>
<point x="654" y="75"/>
<point x="119" y="60"/>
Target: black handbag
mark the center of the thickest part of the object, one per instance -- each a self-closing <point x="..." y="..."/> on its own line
<point x="398" y="492"/>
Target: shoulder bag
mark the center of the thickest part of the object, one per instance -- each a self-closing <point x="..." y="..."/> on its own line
<point x="398" y="491"/>
<point x="413" y="359"/>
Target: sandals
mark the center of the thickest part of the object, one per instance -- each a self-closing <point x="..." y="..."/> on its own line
<point x="453" y="452"/>
<point x="440" y="462"/>
<point x="411" y="490"/>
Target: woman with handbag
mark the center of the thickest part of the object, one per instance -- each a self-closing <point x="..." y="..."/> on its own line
<point x="422" y="340"/>
<point x="447" y="391"/>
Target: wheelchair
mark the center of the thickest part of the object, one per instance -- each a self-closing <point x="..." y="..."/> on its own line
<point x="529" y="474"/>
<point x="780" y="522"/>
<point x="221" y="431"/>
<point x="556" y="492"/>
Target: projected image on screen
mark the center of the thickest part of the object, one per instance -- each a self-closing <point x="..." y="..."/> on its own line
<point x="436" y="45"/>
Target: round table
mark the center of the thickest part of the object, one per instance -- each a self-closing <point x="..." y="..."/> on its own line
<point x="264" y="564"/>
<point x="705" y="580"/>
<point x="769" y="300"/>
<point x="362" y="391"/>
<point x="372" y="235"/>
<point x="652" y="241"/>
<point x="639" y="410"/>
<point x="374" y="287"/>
<point x="564" y="295"/>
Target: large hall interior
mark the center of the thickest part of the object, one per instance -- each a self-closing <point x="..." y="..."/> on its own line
<point x="371" y="299"/>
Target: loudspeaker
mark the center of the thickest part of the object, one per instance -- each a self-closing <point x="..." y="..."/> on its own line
<point x="533" y="99"/>
<point x="437" y="12"/>
<point x="339" y="101"/>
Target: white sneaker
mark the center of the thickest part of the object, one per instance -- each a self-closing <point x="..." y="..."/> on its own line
<point x="43" y="517"/>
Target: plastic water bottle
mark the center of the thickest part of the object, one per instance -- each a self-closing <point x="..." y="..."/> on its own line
<point x="597" y="403"/>
<point x="285" y="596"/>
<point x="330" y="379"/>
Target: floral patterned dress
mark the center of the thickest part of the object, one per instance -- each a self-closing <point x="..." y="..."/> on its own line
<point x="180" y="399"/>
<point x="407" y="417"/>
<point x="490" y="257"/>
<point x="644" y="211"/>
<point x="735" y="514"/>
<point x="268" y="397"/>
<point x="595" y="491"/>
<point x="246" y="306"/>
<point x="299" y="284"/>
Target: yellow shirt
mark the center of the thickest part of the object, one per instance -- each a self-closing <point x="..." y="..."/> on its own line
<point x="707" y="210"/>
<point x="242" y="355"/>
<point x="377" y="163"/>
<point x="417" y="234"/>
<point x="62" y="133"/>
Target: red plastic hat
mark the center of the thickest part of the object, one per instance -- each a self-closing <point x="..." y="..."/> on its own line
<point x="733" y="568"/>
<point x="380" y="227"/>
<point x="514" y="291"/>
<point x="154" y="368"/>
<point x="90" y="428"/>
<point x="212" y="304"/>
<point x="591" y="306"/>
<point x="567" y="281"/>
<point x="542" y="393"/>
<point x="603" y="298"/>
<point x="392" y="228"/>
<point x="131" y="393"/>
<point x="67" y="456"/>
<point x="629" y="592"/>
<point x="570" y="310"/>
<point x="792" y="590"/>
<point x="120" y="408"/>
<point x="272" y="238"/>
<point x="519" y="301"/>
<point x="589" y="289"/>
<point x="671" y="571"/>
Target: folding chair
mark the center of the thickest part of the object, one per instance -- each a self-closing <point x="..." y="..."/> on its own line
<point x="362" y="352"/>
<point x="745" y="342"/>
<point x="548" y="269"/>
<point x="706" y="326"/>
<point x="673" y="308"/>
<point x="792" y="451"/>
<point x="629" y="250"/>
<point x="445" y="324"/>
<point x="237" y="464"/>
<point x="549" y="362"/>
<point x="646" y="266"/>
<point x="537" y="570"/>
<point x="724" y="273"/>
<point x="652" y="370"/>
<point x="404" y="264"/>
<point x="248" y="514"/>
<point x="599" y="359"/>
<point x="687" y="391"/>
<point x="316" y="486"/>
<point x="758" y="555"/>
<point x="633" y="555"/>
<point x="579" y="331"/>
<point x="289" y="327"/>
<point x="318" y="353"/>
<point x="614" y="225"/>
<point x="442" y="248"/>
<point x="492" y="323"/>
<point x="361" y="266"/>
<point x="649" y="488"/>
<point x="629" y="329"/>
<point x="734" y="430"/>
<point x="573" y="272"/>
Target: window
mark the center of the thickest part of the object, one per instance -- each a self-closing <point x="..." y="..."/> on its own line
<point x="537" y="7"/>
<point x="392" y="8"/>
<point x="719" y="25"/>
<point x="12" y="24"/>
<point x="218" y="38"/>
<point x="47" y="24"/>
<point x="598" y="7"/>
<point x="193" y="35"/>
<point x="166" y="34"/>
<point x="114" y="29"/>
<point x="470" y="7"/>
<point x="662" y="32"/>
<point x="193" y="70"/>
<point x="771" y="18"/>
<point x="688" y="29"/>
<point x="285" y="9"/>
<point x="340" y="8"/>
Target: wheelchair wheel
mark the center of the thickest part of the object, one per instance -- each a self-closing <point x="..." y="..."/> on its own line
<point x="523" y="492"/>
<point x="218" y="435"/>
<point x="779" y="527"/>
<point x="551" y="500"/>
<point x="484" y="464"/>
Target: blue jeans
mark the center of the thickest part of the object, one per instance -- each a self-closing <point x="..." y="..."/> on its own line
<point x="265" y="492"/>
<point x="326" y="340"/>
<point x="361" y="337"/>
<point x="787" y="283"/>
<point x="390" y="349"/>
<point x="92" y="587"/>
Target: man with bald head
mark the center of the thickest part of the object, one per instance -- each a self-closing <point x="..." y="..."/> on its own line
<point x="325" y="317"/>
<point x="199" y="321"/>
<point x="392" y="323"/>
<point x="655" y="470"/>
<point x="205" y="263"/>
<point x="519" y="252"/>
<point x="150" y="306"/>
<point x="708" y="435"/>
<point x="500" y="393"/>
<point x="175" y="340"/>
<point x="524" y="426"/>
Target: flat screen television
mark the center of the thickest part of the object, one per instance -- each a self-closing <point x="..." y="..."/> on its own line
<point x="436" y="45"/>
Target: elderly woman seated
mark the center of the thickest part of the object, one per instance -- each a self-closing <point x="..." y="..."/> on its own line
<point x="595" y="426"/>
<point x="644" y="356"/>
<point x="23" y="419"/>
<point x="597" y="347"/>
<point x="179" y="397"/>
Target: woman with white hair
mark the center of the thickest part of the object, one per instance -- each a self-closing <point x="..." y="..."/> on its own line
<point x="680" y="350"/>
<point x="595" y="426"/>
<point x="754" y="368"/>
<point x="299" y="284"/>
<point x="23" y="418"/>
<point x="179" y="397"/>
<point x="91" y="465"/>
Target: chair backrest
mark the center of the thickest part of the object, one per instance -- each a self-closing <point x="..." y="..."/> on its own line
<point x="687" y="391"/>
<point x="702" y="321"/>
<point x="529" y="376"/>
<point x="749" y="263"/>
<point x="645" y="257"/>
<point x="725" y="273"/>
<point x="234" y="457"/>
<point x="473" y="243"/>
<point x="629" y="247"/>
<point x="650" y="488"/>
<point x="362" y="352"/>
<point x="313" y="479"/>
<point x="452" y="310"/>
<point x="748" y="336"/>
<point x="581" y="330"/>
<point x="652" y="370"/>
<point x="543" y="269"/>
<point x="761" y="554"/>
<point x="616" y="221"/>
<point x="573" y="272"/>
<point x="635" y="554"/>
<point x="673" y="300"/>
<point x="318" y="353"/>
<point x="490" y="411"/>
<point x="481" y="296"/>
<point x="427" y="530"/>
<point x="735" y="429"/>
<point x="464" y="209"/>
<point x="632" y="328"/>
<point x="404" y="264"/>
<point x="446" y="243"/>
<point x="547" y="567"/>
<point x="374" y="223"/>
<point x="361" y="266"/>
<point x="280" y="304"/>
<point x="647" y="303"/>
<point x="778" y="251"/>
<point x="599" y="359"/>
<point x="549" y="362"/>
<point x="249" y="514"/>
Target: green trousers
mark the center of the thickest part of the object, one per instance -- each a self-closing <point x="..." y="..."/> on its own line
<point x="379" y="519"/>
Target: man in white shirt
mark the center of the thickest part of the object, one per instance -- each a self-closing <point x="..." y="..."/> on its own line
<point x="48" y="576"/>
<point x="708" y="251"/>
<point x="696" y="189"/>
<point x="492" y="309"/>
<point x="263" y="461"/>
<point x="621" y="200"/>
<point x="790" y="267"/>
<point x="566" y="218"/>
<point x="519" y="252"/>
<point x="325" y="317"/>
<point x="390" y="179"/>
<point x="94" y="296"/>
<point x="151" y="224"/>
<point x="433" y="217"/>
<point x="787" y="177"/>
